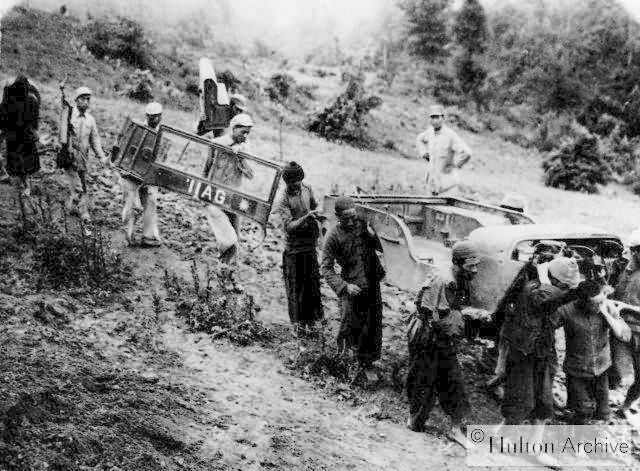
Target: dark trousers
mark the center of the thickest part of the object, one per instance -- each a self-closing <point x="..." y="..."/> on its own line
<point x="588" y="397"/>
<point x="361" y="325"/>
<point x="434" y="371"/>
<point x="528" y="388"/>
<point x="302" y="282"/>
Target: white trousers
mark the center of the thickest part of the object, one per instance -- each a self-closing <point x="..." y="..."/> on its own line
<point x="225" y="228"/>
<point x="140" y="198"/>
<point x="443" y="184"/>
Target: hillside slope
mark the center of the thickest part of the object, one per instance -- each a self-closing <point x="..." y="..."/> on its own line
<point x="112" y="378"/>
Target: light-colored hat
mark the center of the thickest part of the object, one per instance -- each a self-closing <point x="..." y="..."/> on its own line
<point x="241" y="119"/>
<point x="436" y="110"/>
<point x="153" y="108"/>
<point x="565" y="270"/>
<point x="634" y="240"/>
<point x="514" y="201"/>
<point x="239" y="101"/>
<point x="83" y="91"/>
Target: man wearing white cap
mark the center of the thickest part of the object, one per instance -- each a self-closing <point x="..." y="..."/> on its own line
<point x="84" y="137"/>
<point x="230" y="171"/>
<point x="143" y="197"/>
<point x="445" y="151"/>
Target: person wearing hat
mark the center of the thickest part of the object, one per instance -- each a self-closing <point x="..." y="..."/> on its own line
<point x="445" y="153"/>
<point x="435" y="329"/>
<point x="587" y="322"/>
<point x="84" y="137"/>
<point x="19" y="119"/>
<point x="353" y="244"/>
<point x="299" y="214"/>
<point x="529" y="335"/>
<point x="229" y="170"/>
<point x="513" y="202"/>
<point x="142" y="197"/>
<point x="628" y="291"/>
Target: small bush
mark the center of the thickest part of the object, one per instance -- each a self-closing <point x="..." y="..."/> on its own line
<point x="120" y="38"/>
<point x="140" y="85"/>
<point x="220" y="307"/>
<point x="345" y="119"/>
<point x="284" y="89"/>
<point x="280" y="87"/>
<point x="623" y="153"/>
<point x="66" y="259"/>
<point x="579" y="165"/>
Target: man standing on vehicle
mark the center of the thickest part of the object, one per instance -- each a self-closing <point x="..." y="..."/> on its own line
<point x="145" y="197"/>
<point x="353" y="244"/>
<point x="529" y="334"/>
<point x="434" y="333"/>
<point x="445" y="152"/>
<point x="229" y="170"/>
<point x="83" y="138"/>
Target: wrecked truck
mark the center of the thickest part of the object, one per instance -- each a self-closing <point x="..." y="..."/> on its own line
<point x="417" y="233"/>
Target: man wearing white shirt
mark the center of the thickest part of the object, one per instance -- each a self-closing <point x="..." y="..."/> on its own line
<point x="84" y="137"/>
<point x="143" y="197"/>
<point x="229" y="170"/>
<point x="445" y="152"/>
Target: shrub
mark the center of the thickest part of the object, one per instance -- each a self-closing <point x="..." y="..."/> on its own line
<point x="218" y="306"/>
<point x="579" y="165"/>
<point x="64" y="258"/>
<point x="623" y="153"/>
<point x="120" y="38"/>
<point x="280" y="87"/>
<point x="140" y="85"/>
<point x="345" y="119"/>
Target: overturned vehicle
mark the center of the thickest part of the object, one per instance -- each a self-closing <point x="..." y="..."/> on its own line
<point x="417" y="234"/>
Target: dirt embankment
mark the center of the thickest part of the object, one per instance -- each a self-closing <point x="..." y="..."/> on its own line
<point x="110" y="377"/>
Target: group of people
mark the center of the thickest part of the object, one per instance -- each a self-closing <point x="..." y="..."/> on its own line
<point x="557" y="296"/>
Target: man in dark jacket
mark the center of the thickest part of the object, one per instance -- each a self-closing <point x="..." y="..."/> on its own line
<point x="299" y="213"/>
<point x="434" y="333"/>
<point x="352" y="243"/>
<point x="530" y="335"/>
<point x="586" y="323"/>
<point x="19" y="118"/>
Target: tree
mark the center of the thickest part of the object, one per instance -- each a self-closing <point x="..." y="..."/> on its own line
<point x="471" y="34"/>
<point x="427" y="31"/>
<point x="471" y="76"/>
<point x="471" y="27"/>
